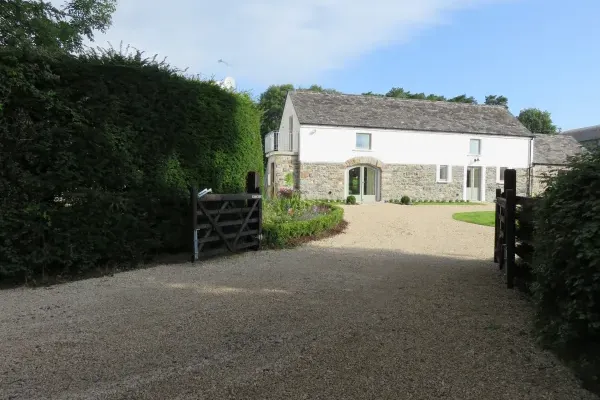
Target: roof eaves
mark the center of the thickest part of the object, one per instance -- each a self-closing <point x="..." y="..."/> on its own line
<point x="417" y="130"/>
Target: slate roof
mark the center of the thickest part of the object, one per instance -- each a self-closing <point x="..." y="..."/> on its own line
<point x="554" y="149"/>
<point x="584" y="134"/>
<point x="314" y="108"/>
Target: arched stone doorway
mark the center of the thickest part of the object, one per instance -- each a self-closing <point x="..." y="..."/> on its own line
<point x="363" y="179"/>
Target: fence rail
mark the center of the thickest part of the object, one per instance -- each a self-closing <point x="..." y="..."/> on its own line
<point x="513" y="231"/>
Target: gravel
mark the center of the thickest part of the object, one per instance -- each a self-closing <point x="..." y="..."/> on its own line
<point x="405" y="305"/>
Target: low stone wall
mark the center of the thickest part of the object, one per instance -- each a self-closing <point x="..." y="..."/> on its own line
<point x="419" y="183"/>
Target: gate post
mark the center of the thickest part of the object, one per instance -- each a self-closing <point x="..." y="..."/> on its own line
<point x="497" y="225"/>
<point x="510" y="184"/>
<point x="194" y="222"/>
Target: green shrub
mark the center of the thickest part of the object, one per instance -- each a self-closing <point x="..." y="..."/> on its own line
<point x="351" y="200"/>
<point x="405" y="200"/>
<point x="279" y="234"/>
<point x="566" y="263"/>
<point x="97" y="153"/>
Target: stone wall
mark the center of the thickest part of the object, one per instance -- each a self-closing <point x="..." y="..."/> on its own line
<point x="522" y="181"/>
<point x="326" y="181"/>
<point x="491" y="185"/>
<point x="539" y="174"/>
<point x="419" y="183"/>
<point x="322" y="181"/>
<point x="284" y="165"/>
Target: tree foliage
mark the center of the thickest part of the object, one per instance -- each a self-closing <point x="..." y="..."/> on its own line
<point x="537" y="121"/>
<point x="400" y="93"/>
<point x="495" y="100"/>
<point x="566" y="265"/>
<point x="40" y="24"/>
<point x="272" y="102"/>
<point x="320" y="89"/>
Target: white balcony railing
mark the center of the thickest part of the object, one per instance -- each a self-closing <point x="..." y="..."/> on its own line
<point x="272" y="141"/>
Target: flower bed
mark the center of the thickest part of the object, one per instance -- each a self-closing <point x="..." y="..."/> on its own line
<point x="288" y="217"/>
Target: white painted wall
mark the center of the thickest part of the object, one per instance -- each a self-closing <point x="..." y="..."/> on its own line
<point x="284" y="132"/>
<point x="320" y="144"/>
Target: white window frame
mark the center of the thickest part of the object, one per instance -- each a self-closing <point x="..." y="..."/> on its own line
<point x="480" y="145"/>
<point x="370" y="141"/>
<point x="437" y="173"/>
<point x="291" y="132"/>
<point x="498" y="180"/>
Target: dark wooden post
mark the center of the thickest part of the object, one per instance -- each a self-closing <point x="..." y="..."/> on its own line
<point x="510" y="185"/>
<point x="497" y="225"/>
<point x="194" y="222"/>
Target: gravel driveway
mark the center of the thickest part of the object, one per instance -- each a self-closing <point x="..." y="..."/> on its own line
<point x="405" y="305"/>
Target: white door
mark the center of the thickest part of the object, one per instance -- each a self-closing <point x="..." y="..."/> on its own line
<point x="474" y="183"/>
<point x="362" y="184"/>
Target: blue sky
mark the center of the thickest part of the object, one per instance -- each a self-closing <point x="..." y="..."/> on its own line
<point x="543" y="54"/>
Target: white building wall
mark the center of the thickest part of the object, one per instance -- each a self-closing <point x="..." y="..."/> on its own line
<point x="284" y="133"/>
<point x="337" y="144"/>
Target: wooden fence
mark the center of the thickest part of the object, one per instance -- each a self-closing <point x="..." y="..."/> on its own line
<point x="513" y="231"/>
<point x="226" y="223"/>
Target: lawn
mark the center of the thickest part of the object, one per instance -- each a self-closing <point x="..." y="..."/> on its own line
<point x="476" y="217"/>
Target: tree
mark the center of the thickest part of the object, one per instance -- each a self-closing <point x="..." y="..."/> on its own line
<point x="400" y="93"/>
<point x="537" y="121"/>
<point x="320" y="89"/>
<point x="371" y="94"/>
<point x="42" y="25"/>
<point x="271" y="102"/>
<point x="494" y="100"/>
<point x="463" y="99"/>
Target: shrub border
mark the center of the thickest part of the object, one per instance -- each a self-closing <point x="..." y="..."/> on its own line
<point x="282" y="234"/>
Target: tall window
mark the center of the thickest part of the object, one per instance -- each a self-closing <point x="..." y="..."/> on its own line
<point x="363" y="141"/>
<point x="291" y="128"/>
<point x="475" y="147"/>
<point x="501" y="171"/>
<point x="444" y="174"/>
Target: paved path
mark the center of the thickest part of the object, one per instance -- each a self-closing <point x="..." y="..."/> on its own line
<point x="405" y="305"/>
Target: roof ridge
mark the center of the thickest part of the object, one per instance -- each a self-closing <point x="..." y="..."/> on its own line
<point x="581" y="129"/>
<point x="389" y="98"/>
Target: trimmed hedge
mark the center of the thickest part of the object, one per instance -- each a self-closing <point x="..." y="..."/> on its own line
<point x="98" y="151"/>
<point x="279" y="234"/>
<point x="566" y="265"/>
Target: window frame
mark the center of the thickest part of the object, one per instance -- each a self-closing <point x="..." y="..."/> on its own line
<point x="498" y="175"/>
<point x="448" y="173"/>
<point x="370" y="141"/>
<point x="291" y="132"/>
<point x="480" y="145"/>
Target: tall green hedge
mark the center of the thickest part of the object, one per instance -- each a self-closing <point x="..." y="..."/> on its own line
<point x="566" y="264"/>
<point x="96" y="153"/>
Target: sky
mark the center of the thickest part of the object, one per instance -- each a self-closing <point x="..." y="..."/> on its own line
<point x="538" y="53"/>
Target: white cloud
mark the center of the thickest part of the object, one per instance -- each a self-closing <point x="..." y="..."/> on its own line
<point x="271" y="41"/>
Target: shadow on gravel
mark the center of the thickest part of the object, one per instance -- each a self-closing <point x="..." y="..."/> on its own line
<point x="309" y="322"/>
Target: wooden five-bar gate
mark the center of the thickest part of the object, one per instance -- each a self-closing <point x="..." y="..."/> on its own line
<point x="226" y="223"/>
<point x="513" y="231"/>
